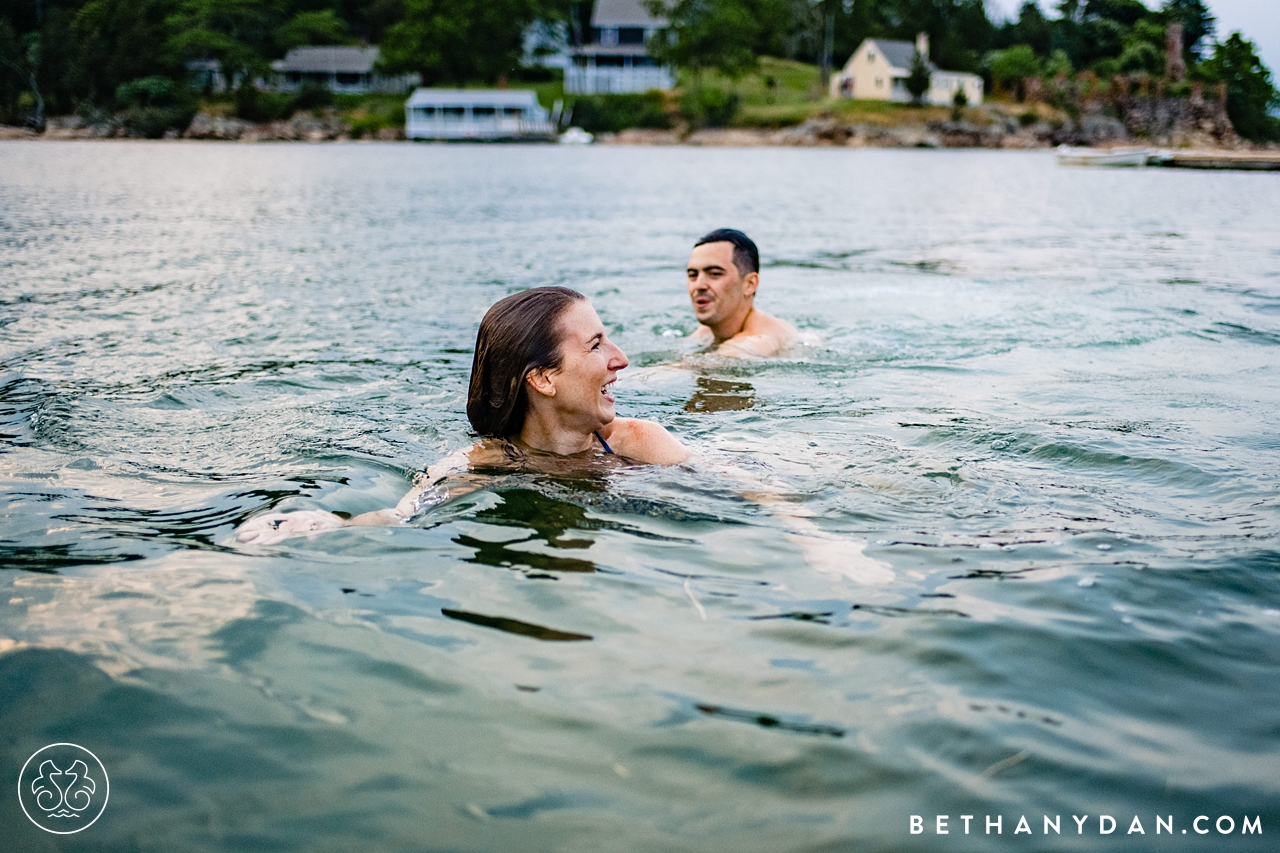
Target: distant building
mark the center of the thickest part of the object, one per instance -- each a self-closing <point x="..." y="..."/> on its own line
<point x="613" y="58"/>
<point x="345" y="70"/>
<point x="476" y="114"/>
<point x="879" y="68"/>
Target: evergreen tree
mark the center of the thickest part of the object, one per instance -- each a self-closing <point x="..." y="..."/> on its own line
<point x="1250" y="93"/>
<point x="918" y="78"/>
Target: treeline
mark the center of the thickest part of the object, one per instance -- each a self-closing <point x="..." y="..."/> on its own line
<point x="1106" y="37"/>
<point x="62" y="56"/>
<point x="65" y="56"/>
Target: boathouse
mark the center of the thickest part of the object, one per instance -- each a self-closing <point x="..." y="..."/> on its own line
<point x="476" y="114"/>
<point x="613" y="58"/>
<point x="879" y="68"/>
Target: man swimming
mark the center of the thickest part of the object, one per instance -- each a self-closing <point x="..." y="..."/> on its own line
<point x="723" y="275"/>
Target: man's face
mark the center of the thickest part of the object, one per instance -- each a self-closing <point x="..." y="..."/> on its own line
<point x="716" y="288"/>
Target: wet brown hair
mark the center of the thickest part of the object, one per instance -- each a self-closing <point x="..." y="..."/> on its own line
<point x="519" y="333"/>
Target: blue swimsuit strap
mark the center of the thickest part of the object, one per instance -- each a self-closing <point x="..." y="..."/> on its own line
<point x="604" y="444"/>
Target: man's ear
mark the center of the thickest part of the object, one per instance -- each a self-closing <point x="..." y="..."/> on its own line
<point x="540" y="380"/>
<point x="750" y="282"/>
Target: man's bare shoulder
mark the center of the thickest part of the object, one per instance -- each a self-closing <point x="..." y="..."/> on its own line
<point x="762" y="335"/>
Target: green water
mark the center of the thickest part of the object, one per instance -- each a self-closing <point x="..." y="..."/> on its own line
<point x="1043" y="401"/>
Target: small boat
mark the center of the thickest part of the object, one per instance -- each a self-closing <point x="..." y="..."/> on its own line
<point x="576" y="136"/>
<point x="1068" y="156"/>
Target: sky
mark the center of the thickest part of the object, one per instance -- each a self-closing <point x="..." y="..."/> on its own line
<point x="1259" y="20"/>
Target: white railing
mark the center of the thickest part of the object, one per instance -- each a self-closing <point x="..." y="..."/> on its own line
<point x="580" y="80"/>
<point x="470" y="128"/>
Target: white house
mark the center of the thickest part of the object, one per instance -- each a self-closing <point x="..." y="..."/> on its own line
<point x="476" y="114"/>
<point x="614" y="58"/>
<point x="879" y="68"/>
<point x="345" y="70"/>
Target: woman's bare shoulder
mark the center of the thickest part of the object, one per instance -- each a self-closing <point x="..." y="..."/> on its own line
<point x="644" y="441"/>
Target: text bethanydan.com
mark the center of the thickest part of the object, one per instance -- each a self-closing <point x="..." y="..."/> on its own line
<point x="967" y="824"/>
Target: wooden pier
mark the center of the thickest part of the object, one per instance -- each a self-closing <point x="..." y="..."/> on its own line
<point x="1255" y="161"/>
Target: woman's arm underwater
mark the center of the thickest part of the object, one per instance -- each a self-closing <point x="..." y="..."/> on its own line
<point x="646" y="442"/>
<point x="273" y="527"/>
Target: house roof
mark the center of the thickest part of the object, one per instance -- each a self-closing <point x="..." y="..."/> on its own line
<point x="358" y="60"/>
<point x="898" y="53"/>
<point x="473" y="97"/>
<point x="624" y="13"/>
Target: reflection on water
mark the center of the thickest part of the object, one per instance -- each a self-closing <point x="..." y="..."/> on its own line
<point x="1045" y="408"/>
<point x="719" y="395"/>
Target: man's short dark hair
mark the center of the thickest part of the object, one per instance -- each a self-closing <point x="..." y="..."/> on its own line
<point x="746" y="257"/>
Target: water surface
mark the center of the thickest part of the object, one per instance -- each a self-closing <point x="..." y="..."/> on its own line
<point x="1043" y="400"/>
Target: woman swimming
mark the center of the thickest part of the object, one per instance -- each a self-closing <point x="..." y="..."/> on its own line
<point x="540" y="397"/>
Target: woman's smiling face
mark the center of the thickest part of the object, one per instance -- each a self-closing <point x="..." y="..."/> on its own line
<point x="589" y="366"/>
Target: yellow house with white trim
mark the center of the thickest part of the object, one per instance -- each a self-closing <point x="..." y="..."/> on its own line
<point x="879" y="68"/>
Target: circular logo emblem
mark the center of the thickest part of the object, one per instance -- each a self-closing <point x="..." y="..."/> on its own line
<point x="63" y="788"/>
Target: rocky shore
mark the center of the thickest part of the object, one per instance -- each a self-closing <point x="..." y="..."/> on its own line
<point x="1196" y="122"/>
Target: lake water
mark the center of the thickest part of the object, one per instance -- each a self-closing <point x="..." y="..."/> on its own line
<point x="1045" y="402"/>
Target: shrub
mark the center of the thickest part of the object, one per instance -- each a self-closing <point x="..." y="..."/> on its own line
<point x="612" y="113"/>
<point x="252" y="104"/>
<point x="153" y="105"/>
<point x="709" y="106"/>
<point x="311" y="96"/>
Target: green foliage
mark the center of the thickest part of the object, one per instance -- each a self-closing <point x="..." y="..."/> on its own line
<point x="1197" y="24"/>
<point x="918" y="78"/>
<point x="958" y="103"/>
<point x="154" y="105"/>
<point x="1141" y="57"/>
<point x="1012" y="65"/>
<point x="1059" y="64"/>
<point x="456" y="41"/>
<point x="710" y="106"/>
<point x="612" y="113"/>
<point x="1250" y="93"/>
<point x="153" y="91"/>
<point x="703" y="34"/>
<point x="253" y="104"/>
<point x="313" y="28"/>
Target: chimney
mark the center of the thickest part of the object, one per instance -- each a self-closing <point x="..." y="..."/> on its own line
<point x="1175" y="67"/>
<point x="922" y="45"/>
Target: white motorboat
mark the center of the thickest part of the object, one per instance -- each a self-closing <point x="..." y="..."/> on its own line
<point x="1068" y="156"/>
<point x="576" y="136"/>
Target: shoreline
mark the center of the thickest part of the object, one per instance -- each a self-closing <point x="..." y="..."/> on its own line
<point x="1002" y="131"/>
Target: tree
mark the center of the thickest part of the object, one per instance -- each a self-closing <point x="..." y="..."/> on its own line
<point x="918" y="78"/>
<point x="458" y="41"/>
<point x="234" y="33"/>
<point x="702" y="34"/>
<point x="22" y="57"/>
<point x="1013" y="65"/>
<point x="1250" y="93"/>
<point x="307" y="28"/>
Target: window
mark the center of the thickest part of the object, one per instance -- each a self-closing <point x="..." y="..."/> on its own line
<point x="871" y="56"/>
<point x="879" y="82"/>
<point x="484" y="112"/>
<point x="630" y="35"/>
<point x="608" y="61"/>
<point x="512" y="112"/>
<point x="424" y="112"/>
<point x="348" y="79"/>
<point x="454" y="113"/>
<point x="608" y="36"/>
<point x="643" y="62"/>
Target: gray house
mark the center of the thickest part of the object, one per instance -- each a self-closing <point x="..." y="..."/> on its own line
<point x="614" y="58"/>
<point x="345" y="70"/>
